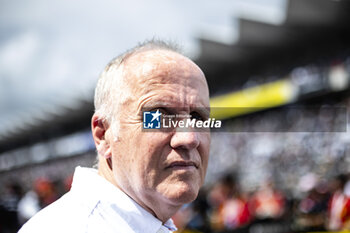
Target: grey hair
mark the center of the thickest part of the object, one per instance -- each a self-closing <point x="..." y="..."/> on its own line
<point x="112" y="90"/>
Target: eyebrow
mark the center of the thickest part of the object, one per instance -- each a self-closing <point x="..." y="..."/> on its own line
<point x="154" y="104"/>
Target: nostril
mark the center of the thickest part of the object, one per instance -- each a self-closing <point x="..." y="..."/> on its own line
<point x="182" y="148"/>
<point x="185" y="140"/>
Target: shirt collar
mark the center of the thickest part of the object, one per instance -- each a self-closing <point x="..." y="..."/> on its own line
<point x="94" y="189"/>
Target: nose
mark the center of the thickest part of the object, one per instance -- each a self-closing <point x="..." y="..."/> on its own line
<point x="185" y="140"/>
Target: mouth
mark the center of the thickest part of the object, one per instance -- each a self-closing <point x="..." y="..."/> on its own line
<point x="182" y="165"/>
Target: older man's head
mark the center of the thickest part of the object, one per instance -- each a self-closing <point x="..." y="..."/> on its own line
<point x="159" y="170"/>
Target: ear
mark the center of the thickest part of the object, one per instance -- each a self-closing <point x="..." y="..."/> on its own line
<point x="99" y="128"/>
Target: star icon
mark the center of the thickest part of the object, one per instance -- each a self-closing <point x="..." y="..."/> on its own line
<point x="155" y="115"/>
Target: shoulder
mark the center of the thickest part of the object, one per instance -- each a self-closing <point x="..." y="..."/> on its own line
<point x="67" y="214"/>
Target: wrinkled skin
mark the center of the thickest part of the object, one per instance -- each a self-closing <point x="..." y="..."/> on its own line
<point x="144" y="164"/>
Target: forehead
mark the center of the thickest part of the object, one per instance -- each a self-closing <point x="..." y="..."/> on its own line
<point x="168" y="73"/>
<point x="160" y="64"/>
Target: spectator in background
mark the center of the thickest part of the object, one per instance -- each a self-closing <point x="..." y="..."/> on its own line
<point x="230" y="205"/>
<point x="143" y="178"/>
<point x="28" y="206"/>
<point x="43" y="194"/>
<point x="268" y="203"/>
<point x="339" y="206"/>
<point x="311" y="211"/>
<point x="8" y="208"/>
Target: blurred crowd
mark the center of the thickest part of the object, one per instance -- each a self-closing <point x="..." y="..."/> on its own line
<point x="224" y="207"/>
<point x="17" y="206"/>
<point x="220" y="207"/>
<point x="282" y="182"/>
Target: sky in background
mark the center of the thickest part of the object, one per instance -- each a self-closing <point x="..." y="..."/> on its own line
<point x="51" y="52"/>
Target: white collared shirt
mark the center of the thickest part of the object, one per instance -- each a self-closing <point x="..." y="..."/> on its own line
<point x="94" y="205"/>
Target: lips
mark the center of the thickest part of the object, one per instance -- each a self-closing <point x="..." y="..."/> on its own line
<point x="179" y="164"/>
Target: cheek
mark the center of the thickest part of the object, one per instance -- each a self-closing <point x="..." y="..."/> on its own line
<point x="204" y="152"/>
<point x="153" y="148"/>
<point x="205" y="145"/>
<point x="153" y="144"/>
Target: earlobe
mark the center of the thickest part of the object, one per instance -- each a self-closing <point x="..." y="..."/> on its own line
<point x="108" y="152"/>
<point x="104" y="150"/>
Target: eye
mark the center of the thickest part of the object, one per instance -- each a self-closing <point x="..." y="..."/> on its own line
<point x="197" y="116"/>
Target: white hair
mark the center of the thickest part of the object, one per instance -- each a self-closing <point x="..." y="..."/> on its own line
<point x="112" y="90"/>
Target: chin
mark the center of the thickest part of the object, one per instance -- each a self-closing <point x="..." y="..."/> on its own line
<point x="182" y="193"/>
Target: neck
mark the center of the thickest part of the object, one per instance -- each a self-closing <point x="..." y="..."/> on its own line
<point x="105" y="171"/>
<point x="162" y="209"/>
<point x="159" y="210"/>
